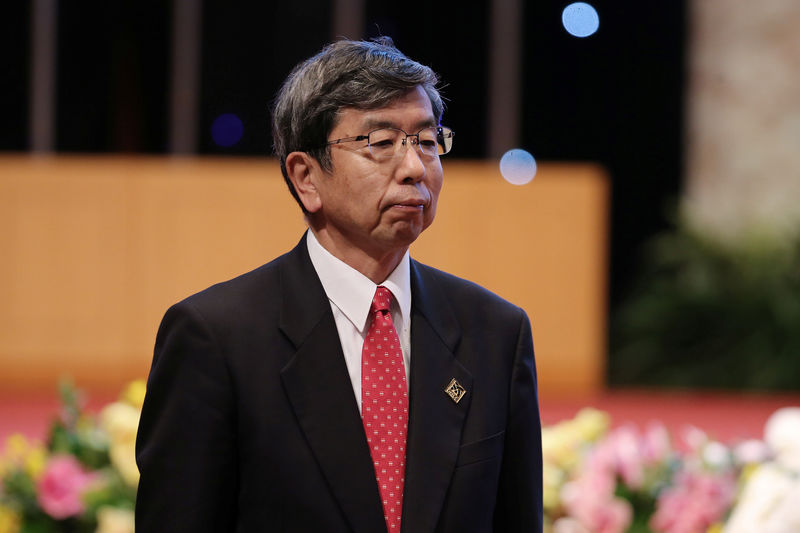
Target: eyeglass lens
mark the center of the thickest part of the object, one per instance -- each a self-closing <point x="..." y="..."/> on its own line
<point x="388" y="142"/>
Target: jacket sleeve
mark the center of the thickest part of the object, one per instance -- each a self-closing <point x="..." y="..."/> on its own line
<point x="186" y="443"/>
<point x="519" y="500"/>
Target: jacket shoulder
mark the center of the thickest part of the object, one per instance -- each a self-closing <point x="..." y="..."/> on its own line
<point x="245" y="295"/>
<point x="249" y="285"/>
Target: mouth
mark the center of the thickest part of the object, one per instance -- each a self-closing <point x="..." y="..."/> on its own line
<point x="410" y="206"/>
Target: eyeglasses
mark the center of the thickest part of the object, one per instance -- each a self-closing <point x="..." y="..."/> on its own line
<point x="387" y="143"/>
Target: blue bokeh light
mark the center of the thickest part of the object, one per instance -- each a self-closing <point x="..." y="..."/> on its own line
<point x="517" y="166"/>
<point x="227" y="130"/>
<point x="580" y="19"/>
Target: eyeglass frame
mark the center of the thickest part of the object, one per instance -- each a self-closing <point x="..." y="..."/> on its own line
<point x="440" y="133"/>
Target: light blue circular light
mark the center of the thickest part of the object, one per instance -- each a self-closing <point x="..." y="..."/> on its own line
<point x="517" y="166"/>
<point x="227" y="130"/>
<point x="580" y="19"/>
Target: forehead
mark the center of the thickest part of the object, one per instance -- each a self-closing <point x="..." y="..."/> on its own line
<point x="410" y="112"/>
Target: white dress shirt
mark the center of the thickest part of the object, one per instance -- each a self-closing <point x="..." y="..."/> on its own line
<point x="350" y="294"/>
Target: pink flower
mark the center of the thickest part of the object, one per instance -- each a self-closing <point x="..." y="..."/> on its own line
<point x="590" y="499"/>
<point x="61" y="487"/>
<point x="629" y="458"/>
<point x="656" y="444"/>
<point x="693" y="439"/>
<point x="595" y="508"/>
<point x="695" y="502"/>
<point x="628" y="454"/>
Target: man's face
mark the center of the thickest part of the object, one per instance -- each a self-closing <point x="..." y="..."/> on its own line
<point x="379" y="207"/>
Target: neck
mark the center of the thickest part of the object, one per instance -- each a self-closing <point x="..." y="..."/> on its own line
<point x="374" y="264"/>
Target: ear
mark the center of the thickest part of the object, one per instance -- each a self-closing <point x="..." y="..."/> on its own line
<point x="303" y="171"/>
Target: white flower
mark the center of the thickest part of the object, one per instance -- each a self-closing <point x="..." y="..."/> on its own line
<point x="716" y="454"/>
<point x="768" y="503"/>
<point x="751" y="451"/>
<point x="782" y="434"/>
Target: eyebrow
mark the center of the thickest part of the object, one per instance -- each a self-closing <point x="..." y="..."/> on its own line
<point x="373" y="124"/>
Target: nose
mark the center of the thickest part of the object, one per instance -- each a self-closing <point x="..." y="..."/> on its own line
<point x="411" y="166"/>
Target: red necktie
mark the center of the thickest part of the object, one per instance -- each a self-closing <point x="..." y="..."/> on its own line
<point x="384" y="406"/>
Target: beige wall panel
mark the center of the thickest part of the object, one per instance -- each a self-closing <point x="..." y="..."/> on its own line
<point x="95" y="249"/>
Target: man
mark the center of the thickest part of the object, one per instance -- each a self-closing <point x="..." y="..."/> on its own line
<point x="344" y="386"/>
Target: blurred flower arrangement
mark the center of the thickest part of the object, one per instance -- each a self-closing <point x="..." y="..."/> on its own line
<point x="596" y="479"/>
<point x="83" y="479"/>
<point x="627" y="480"/>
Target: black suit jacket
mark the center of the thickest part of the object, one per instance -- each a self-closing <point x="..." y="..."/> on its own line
<point x="250" y="423"/>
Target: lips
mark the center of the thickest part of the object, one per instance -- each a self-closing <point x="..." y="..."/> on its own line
<point x="411" y="203"/>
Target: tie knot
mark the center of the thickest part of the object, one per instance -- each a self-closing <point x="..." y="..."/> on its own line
<point x="382" y="299"/>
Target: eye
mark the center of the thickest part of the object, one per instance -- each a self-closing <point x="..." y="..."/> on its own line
<point x="427" y="143"/>
<point x="383" y="143"/>
<point x="383" y="140"/>
<point x="427" y="140"/>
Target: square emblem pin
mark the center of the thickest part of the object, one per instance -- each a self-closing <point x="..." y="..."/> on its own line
<point x="455" y="390"/>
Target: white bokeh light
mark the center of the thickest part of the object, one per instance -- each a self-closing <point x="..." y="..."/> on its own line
<point x="580" y="19"/>
<point x="517" y="166"/>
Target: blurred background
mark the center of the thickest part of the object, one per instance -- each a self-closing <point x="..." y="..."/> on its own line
<point x="648" y="223"/>
<point x="117" y="76"/>
<point x="684" y="113"/>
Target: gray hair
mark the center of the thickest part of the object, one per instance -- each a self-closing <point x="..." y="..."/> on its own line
<point x="345" y="74"/>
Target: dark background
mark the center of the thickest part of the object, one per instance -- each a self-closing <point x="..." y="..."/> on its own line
<point x="615" y="97"/>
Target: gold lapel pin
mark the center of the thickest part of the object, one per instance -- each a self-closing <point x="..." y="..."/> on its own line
<point x="455" y="390"/>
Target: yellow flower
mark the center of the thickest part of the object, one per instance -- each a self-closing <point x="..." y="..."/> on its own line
<point x="134" y="393"/>
<point x="35" y="461"/>
<point x="114" y="520"/>
<point x="552" y="479"/>
<point x="120" y="421"/>
<point x="20" y="453"/>
<point x="123" y="457"/>
<point x="559" y="445"/>
<point x="16" y="448"/>
<point x="715" y="528"/>
<point x="591" y="424"/>
<point x="747" y="472"/>
<point x="551" y="499"/>
<point x="9" y="520"/>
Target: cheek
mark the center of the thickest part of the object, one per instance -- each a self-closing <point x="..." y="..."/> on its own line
<point x="435" y="187"/>
<point x="431" y="211"/>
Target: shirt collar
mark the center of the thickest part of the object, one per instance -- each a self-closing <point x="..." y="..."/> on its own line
<point x="351" y="291"/>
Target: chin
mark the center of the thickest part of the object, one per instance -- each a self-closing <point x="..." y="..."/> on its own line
<point x="404" y="236"/>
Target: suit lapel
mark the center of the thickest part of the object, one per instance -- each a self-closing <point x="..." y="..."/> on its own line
<point x="435" y="422"/>
<point x="318" y="386"/>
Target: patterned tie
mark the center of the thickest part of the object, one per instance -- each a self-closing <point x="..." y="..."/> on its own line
<point x="384" y="406"/>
